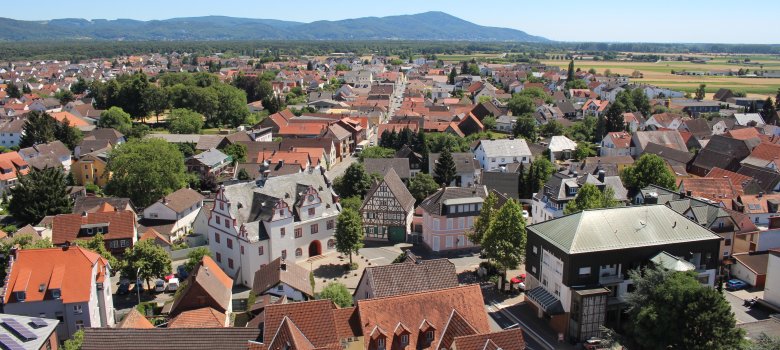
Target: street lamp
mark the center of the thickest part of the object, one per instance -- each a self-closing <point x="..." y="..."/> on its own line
<point x="137" y="290"/>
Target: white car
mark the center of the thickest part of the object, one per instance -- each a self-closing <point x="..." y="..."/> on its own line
<point x="173" y="285"/>
<point x="159" y="286"/>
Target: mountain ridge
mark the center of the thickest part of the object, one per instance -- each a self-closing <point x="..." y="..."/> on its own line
<point x="433" y="25"/>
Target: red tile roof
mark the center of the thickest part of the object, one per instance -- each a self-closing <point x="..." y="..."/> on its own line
<point x="134" y="319"/>
<point x="68" y="227"/>
<point x="621" y="139"/>
<point x="315" y="319"/>
<point x="12" y="165"/>
<point x="205" y="317"/>
<point x="511" y="339"/>
<point x="423" y="310"/>
<point x="710" y="188"/>
<point x="74" y="120"/>
<point x="68" y="269"/>
<point x="766" y="151"/>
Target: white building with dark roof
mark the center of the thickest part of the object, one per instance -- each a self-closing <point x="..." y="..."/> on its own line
<point x="493" y="154"/>
<point x="292" y="217"/>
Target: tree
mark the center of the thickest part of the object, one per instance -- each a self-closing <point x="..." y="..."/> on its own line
<point x="243" y="175"/>
<point x="422" y="185"/>
<point x="13" y="91"/>
<point x="131" y="95"/>
<point x="353" y="203"/>
<point x="672" y="310"/>
<point x="614" y="117"/>
<point x="451" y="77"/>
<point x="75" y="341"/>
<point x="98" y="245"/>
<point x="701" y="91"/>
<point x="640" y="101"/>
<point x="444" y="173"/>
<point x="38" y="128"/>
<point x="349" y="233"/>
<point x="583" y="150"/>
<point x="525" y="127"/>
<point x="591" y="197"/>
<point x="576" y="84"/>
<point x="570" y="72"/>
<point x="489" y="122"/>
<point x="521" y="104"/>
<point x="70" y="136"/>
<point x="148" y="259"/>
<point x="116" y="118"/>
<point x="80" y="86"/>
<point x="145" y="170"/>
<point x="38" y="194"/>
<point x="485" y="220"/>
<point x="649" y="169"/>
<point x="337" y="293"/>
<point x="194" y="257"/>
<point x="552" y="128"/>
<point x="769" y="112"/>
<point x="354" y="182"/>
<point x="764" y="342"/>
<point x="184" y="121"/>
<point x="504" y="241"/>
<point x="65" y="96"/>
<point x="540" y="170"/>
<point x="236" y="151"/>
<point x="231" y="108"/>
<point x="156" y="100"/>
<point x="377" y="152"/>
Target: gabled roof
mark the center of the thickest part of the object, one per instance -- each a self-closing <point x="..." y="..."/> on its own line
<point x="756" y="263"/>
<point x="410" y="277"/>
<point x="505" y="147"/>
<point x="68" y="269"/>
<point x="620" y="228"/>
<point x="182" y="199"/>
<point x="210" y="157"/>
<point x="620" y="139"/>
<point x="269" y="276"/>
<point x="207" y="278"/>
<point x="397" y="188"/>
<point x="767" y="179"/>
<point x="315" y="319"/>
<point x="668" y="138"/>
<point x="382" y="166"/>
<point x="510" y="339"/>
<point x="464" y="162"/>
<point x="710" y="188"/>
<point x="134" y="319"/>
<point x="431" y="308"/>
<point x="204" y="317"/>
<point x="70" y="227"/>
<point x="433" y="204"/>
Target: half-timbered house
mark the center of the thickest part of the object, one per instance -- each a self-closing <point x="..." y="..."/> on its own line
<point x="388" y="209"/>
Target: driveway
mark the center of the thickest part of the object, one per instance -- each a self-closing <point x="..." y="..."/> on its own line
<point x="743" y="314"/>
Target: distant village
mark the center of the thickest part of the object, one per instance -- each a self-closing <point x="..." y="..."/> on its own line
<point x="371" y="203"/>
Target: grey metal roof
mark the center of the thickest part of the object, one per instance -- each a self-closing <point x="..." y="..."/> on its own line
<point x="620" y="228"/>
<point x="382" y="166"/>
<point x="210" y="157"/>
<point x="505" y="147"/>
<point x="671" y="262"/>
<point x="561" y="143"/>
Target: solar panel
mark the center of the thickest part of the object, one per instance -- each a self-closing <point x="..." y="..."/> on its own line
<point x="9" y="343"/>
<point x="19" y="329"/>
<point x="38" y="322"/>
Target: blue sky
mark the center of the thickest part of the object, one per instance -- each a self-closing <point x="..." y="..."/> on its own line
<point x="568" y="20"/>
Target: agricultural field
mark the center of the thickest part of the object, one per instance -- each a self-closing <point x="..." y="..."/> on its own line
<point x="660" y="74"/>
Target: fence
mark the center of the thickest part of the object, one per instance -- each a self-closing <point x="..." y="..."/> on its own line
<point x="181" y="254"/>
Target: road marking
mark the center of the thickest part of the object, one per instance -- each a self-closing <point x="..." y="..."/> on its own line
<point x="526" y="329"/>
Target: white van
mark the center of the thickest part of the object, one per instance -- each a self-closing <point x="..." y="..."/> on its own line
<point x="173" y="285"/>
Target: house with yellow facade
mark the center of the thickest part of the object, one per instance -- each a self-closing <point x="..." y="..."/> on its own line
<point x="91" y="168"/>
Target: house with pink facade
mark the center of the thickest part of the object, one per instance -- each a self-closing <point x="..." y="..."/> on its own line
<point x="449" y="214"/>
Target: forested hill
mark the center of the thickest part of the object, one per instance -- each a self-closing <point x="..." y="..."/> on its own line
<point x="423" y="26"/>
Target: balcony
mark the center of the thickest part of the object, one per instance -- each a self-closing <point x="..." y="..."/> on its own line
<point x="607" y="278"/>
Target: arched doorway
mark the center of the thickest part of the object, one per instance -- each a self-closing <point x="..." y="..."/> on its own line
<point x="315" y="248"/>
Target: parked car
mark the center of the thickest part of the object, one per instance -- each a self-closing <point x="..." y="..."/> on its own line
<point x="181" y="272"/>
<point x="173" y="285"/>
<point x="736" y="284"/>
<point x="124" y="287"/>
<point x="159" y="286"/>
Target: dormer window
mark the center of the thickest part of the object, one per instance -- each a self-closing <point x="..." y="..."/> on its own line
<point x="380" y="343"/>
<point x="404" y="339"/>
<point x="429" y="336"/>
<point x="20" y="296"/>
<point x="55" y="293"/>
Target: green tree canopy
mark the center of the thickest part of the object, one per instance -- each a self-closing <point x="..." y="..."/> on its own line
<point x="489" y="122"/>
<point x="75" y="341"/>
<point x="485" y="219"/>
<point x="377" y="152"/>
<point x="526" y="128"/>
<point x="13" y="91"/>
<point x="194" y="257"/>
<point x="38" y="194"/>
<point x="237" y="151"/>
<point x="337" y="293"/>
<point x="349" y="232"/>
<point x="444" y="172"/>
<point x="504" y="241"/>
<point x="116" y="118"/>
<point x="552" y="128"/>
<point x="98" y="245"/>
<point x="355" y="182"/>
<point x="145" y="171"/>
<point x="591" y="197"/>
<point x="422" y="185"/>
<point x="583" y="150"/>
<point x="614" y="117"/>
<point x="184" y="121"/>
<point x="649" y="169"/>
<point x="701" y="91"/>
<point x="353" y="203"/>
<point x="539" y="172"/>
<point x="672" y="310"/>
<point x="80" y="86"/>
<point x="521" y="104"/>
<point x="148" y="259"/>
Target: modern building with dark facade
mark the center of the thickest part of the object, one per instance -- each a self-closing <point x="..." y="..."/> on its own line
<point x="577" y="265"/>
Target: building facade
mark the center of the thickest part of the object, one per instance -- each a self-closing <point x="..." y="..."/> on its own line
<point x="388" y="210"/>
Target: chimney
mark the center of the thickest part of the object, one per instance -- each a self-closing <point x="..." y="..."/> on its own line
<point x="283" y="266"/>
<point x="602" y="175"/>
<point x="760" y="194"/>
